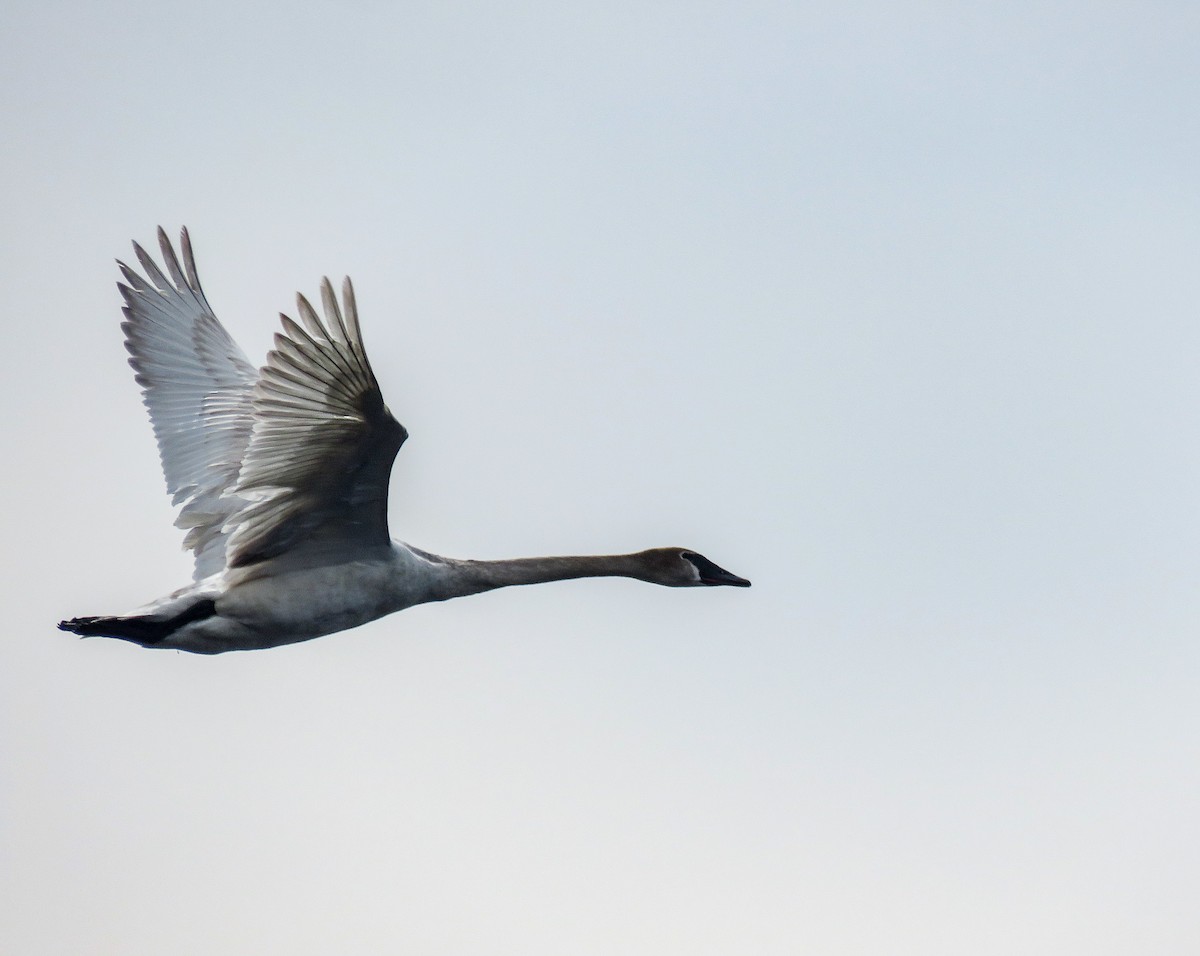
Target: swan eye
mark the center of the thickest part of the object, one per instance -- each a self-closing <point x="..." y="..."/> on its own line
<point x="696" y="561"/>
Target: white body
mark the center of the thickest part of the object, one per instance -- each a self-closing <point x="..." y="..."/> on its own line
<point x="272" y="604"/>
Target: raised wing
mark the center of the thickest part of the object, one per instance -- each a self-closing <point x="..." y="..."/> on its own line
<point x="197" y="386"/>
<point x="315" y="474"/>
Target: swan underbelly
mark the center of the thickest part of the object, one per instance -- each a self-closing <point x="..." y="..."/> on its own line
<point x="269" y="609"/>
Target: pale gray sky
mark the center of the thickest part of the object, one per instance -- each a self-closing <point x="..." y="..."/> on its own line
<point x="892" y="308"/>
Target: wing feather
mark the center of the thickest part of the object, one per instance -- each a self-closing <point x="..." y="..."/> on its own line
<point x="197" y="386"/>
<point x="295" y="455"/>
<point x="317" y="467"/>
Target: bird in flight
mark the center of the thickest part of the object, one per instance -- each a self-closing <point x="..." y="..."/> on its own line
<point x="282" y="477"/>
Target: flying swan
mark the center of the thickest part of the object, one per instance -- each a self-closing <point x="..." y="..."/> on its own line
<point x="282" y="474"/>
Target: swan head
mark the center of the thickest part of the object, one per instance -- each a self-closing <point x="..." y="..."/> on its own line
<point x="684" y="568"/>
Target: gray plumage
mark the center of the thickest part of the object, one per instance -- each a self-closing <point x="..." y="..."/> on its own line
<point x="281" y="475"/>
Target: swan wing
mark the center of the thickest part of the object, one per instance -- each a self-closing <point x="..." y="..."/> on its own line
<point x="197" y="385"/>
<point x="315" y="474"/>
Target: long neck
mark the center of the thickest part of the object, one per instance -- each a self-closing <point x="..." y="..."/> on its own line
<point x="472" y="577"/>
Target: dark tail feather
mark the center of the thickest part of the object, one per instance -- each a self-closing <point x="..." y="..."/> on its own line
<point x="141" y="630"/>
<point x="145" y="630"/>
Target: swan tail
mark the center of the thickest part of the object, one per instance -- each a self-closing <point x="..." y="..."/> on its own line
<point x="146" y="630"/>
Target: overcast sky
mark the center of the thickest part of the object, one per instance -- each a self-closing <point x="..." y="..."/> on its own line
<point x="892" y="308"/>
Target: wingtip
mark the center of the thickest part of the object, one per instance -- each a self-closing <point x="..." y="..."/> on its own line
<point x="308" y="315"/>
<point x="189" y="260"/>
<point x="350" y="304"/>
<point x="333" y="312"/>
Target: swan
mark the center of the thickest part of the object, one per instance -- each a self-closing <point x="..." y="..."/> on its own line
<point x="282" y="478"/>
